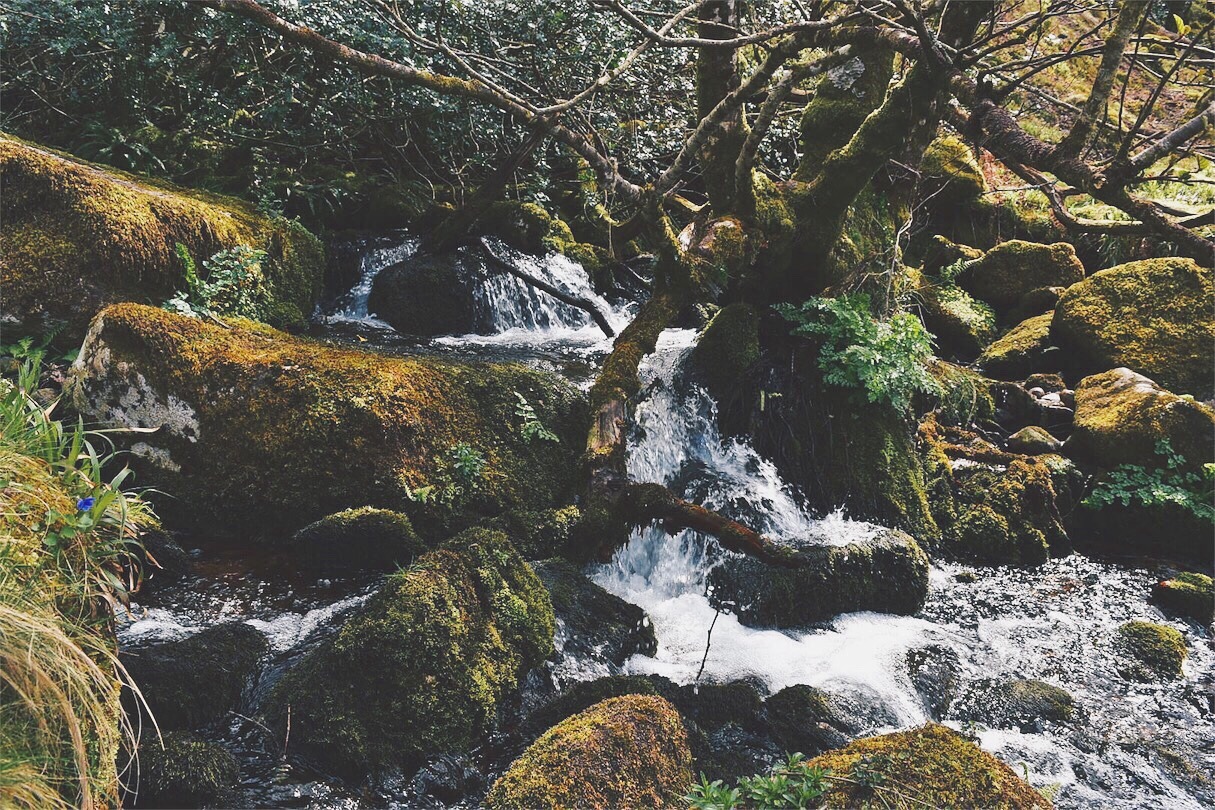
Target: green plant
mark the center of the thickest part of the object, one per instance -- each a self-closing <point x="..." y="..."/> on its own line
<point x="1167" y="484"/>
<point x="460" y="475"/>
<point x="36" y="350"/>
<point x="532" y="428"/>
<point x="234" y="284"/>
<point x="791" y="784"/>
<point x="706" y="795"/>
<point x="886" y="359"/>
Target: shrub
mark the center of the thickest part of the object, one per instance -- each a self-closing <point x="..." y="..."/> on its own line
<point x="233" y="284"/>
<point x="1129" y="484"/>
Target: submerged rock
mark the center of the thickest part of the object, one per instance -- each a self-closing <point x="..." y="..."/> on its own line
<point x="1152" y="316"/>
<point x="198" y="680"/>
<point x="181" y="770"/>
<point x="263" y="433"/>
<point x="599" y="624"/>
<point x="77" y="237"/>
<point x="359" y="539"/>
<point x="936" y="673"/>
<point x="421" y="668"/>
<point x="1158" y="651"/>
<point x="934" y="765"/>
<point x="625" y="752"/>
<point x="1020" y="703"/>
<point x="887" y="573"/>
<point x="1188" y="594"/>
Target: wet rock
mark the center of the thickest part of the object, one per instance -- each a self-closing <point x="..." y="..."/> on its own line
<point x="936" y="765"/>
<point x="1024" y="704"/>
<point x="446" y="780"/>
<point x="599" y="624"/>
<point x="1152" y="316"/>
<point x="358" y="539"/>
<point x="539" y="533"/>
<point x="1188" y="594"/>
<point x="936" y="673"/>
<point x="428" y="295"/>
<point x="1012" y="269"/>
<point x="1004" y="515"/>
<point x="887" y="573"/>
<point x="584" y="694"/>
<point x="304" y="429"/>
<point x="181" y="770"/>
<point x="1020" y="351"/>
<point x="728" y="346"/>
<point x="1157" y="651"/>
<point x="714" y="705"/>
<point x="625" y="752"/>
<point x="1032" y="441"/>
<point x="803" y="720"/>
<point x="422" y="667"/>
<point x="1068" y="481"/>
<point x="196" y="681"/>
<point x="165" y="561"/>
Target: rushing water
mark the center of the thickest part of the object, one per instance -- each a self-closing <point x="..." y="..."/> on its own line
<point x="1055" y="622"/>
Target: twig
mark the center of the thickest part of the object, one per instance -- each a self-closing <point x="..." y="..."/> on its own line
<point x="708" y="643"/>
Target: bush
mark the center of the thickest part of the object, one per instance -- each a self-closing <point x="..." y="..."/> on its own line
<point x="1129" y="484"/>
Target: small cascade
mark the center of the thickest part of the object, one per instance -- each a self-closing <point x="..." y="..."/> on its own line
<point x="352" y="306"/>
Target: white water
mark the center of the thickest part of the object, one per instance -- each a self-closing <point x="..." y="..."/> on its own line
<point x="353" y="305"/>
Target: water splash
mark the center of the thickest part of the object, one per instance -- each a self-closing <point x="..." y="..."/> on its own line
<point x="352" y="306"/>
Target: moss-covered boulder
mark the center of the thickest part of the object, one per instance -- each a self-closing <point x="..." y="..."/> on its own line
<point x="887" y="573"/>
<point x="728" y="346"/>
<point x="930" y="766"/>
<point x="77" y="237"/>
<point x="1018" y="703"/>
<point x="1021" y="351"/>
<point x="1121" y="416"/>
<point x="1009" y="271"/>
<point x="596" y="624"/>
<point x="262" y="432"/>
<point x="540" y="533"/>
<point x="429" y="295"/>
<point x="949" y="170"/>
<point x="198" y="680"/>
<point x="965" y="395"/>
<point x="625" y="752"/>
<point x="1188" y="594"/>
<point x="181" y="770"/>
<point x="1006" y="514"/>
<point x="360" y="538"/>
<point x="422" y="667"/>
<point x="962" y="325"/>
<point x="1156" y="651"/>
<point x="1032" y="441"/>
<point x="1151" y="316"/>
<point x="581" y="695"/>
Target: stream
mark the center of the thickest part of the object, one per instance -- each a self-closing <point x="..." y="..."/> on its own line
<point x="1129" y="745"/>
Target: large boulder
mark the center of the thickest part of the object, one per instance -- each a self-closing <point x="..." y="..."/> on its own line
<point x="1152" y="316"/>
<point x="195" y="681"/>
<point x="1021" y="351"/>
<point x="422" y="667"/>
<point x="887" y="573"/>
<point x="264" y="433"/>
<point x="428" y="295"/>
<point x="932" y="766"/>
<point x="1015" y="268"/>
<point x="77" y="237"/>
<point x="625" y="752"/>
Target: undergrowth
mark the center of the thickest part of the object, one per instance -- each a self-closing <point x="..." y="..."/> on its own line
<point x="1169" y="483"/>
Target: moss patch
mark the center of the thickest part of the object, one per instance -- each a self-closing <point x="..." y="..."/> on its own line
<point x="1158" y="651"/>
<point x="77" y="237"/>
<point x="728" y="346"/>
<point x="1188" y="594"/>
<point x="180" y="770"/>
<point x="359" y="538"/>
<point x="1014" y="268"/>
<point x="261" y="432"/>
<point x="625" y="752"/>
<point x="1019" y="352"/>
<point x="1152" y="316"/>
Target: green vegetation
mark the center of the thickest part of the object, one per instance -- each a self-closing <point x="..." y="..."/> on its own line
<point x="791" y="784"/>
<point x="1170" y="483"/>
<point x="885" y="359"/>
<point x="1157" y="651"/>
<point x="233" y="285"/>
<point x="532" y="428"/>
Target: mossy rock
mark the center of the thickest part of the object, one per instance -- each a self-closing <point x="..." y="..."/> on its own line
<point x="428" y="295"/>
<point x="540" y="533"/>
<point x="1009" y="271"/>
<point x="78" y="236"/>
<point x="1019" y="703"/>
<point x="1032" y="441"/>
<point x="304" y="429"/>
<point x="1020" y="351"/>
<point x="802" y="720"/>
<point x="1158" y="651"/>
<point x="360" y="538"/>
<point x="625" y="752"/>
<point x="1188" y="594"/>
<point x="965" y="394"/>
<point x="930" y="766"/>
<point x="198" y="680"/>
<point x="1036" y="302"/>
<point x="728" y="346"/>
<point x="422" y="667"/>
<point x="1121" y="416"/>
<point x="181" y="770"/>
<point x="949" y="170"/>
<point x="961" y="324"/>
<point x="1151" y="316"/>
<point x="581" y="695"/>
<point x="887" y="573"/>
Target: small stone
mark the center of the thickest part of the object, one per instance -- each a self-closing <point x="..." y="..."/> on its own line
<point x="1032" y="441"/>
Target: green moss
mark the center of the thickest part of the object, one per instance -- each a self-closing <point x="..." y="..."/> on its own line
<point x="540" y="533"/>
<point x="1158" y="651"/>
<point x="1014" y="268"/>
<point x="728" y="347"/>
<point x="842" y="101"/>
<point x="1023" y="703"/>
<point x="1013" y="518"/>
<point x="625" y="752"/>
<point x="1188" y="594"/>
<point x="1019" y="351"/>
<point x="949" y="169"/>
<point x="1151" y="316"/>
<point x="422" y="667"/>
<point x="928" y="766"/>
<point x="359" y="538"/>
<point x="1032" y="441"/>
<point x="965" y="395"/>
<point x="961" y="324"/>
<point x="581" y="696"/>
<point x="305" y="429"/>
<point x="77" y="237"/>
<point x="180" y="770"/>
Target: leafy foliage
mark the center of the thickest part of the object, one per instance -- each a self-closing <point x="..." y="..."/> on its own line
<point x="1169" y="484"/>
<point x="792" y="784"/>
<point x="461" y="472"/>
<point x="233" y="284"/>
<point x="886" y="359"/>
<point x="532" y="428"/>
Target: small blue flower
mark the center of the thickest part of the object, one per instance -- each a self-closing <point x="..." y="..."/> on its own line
<point x="85" y="504"/>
